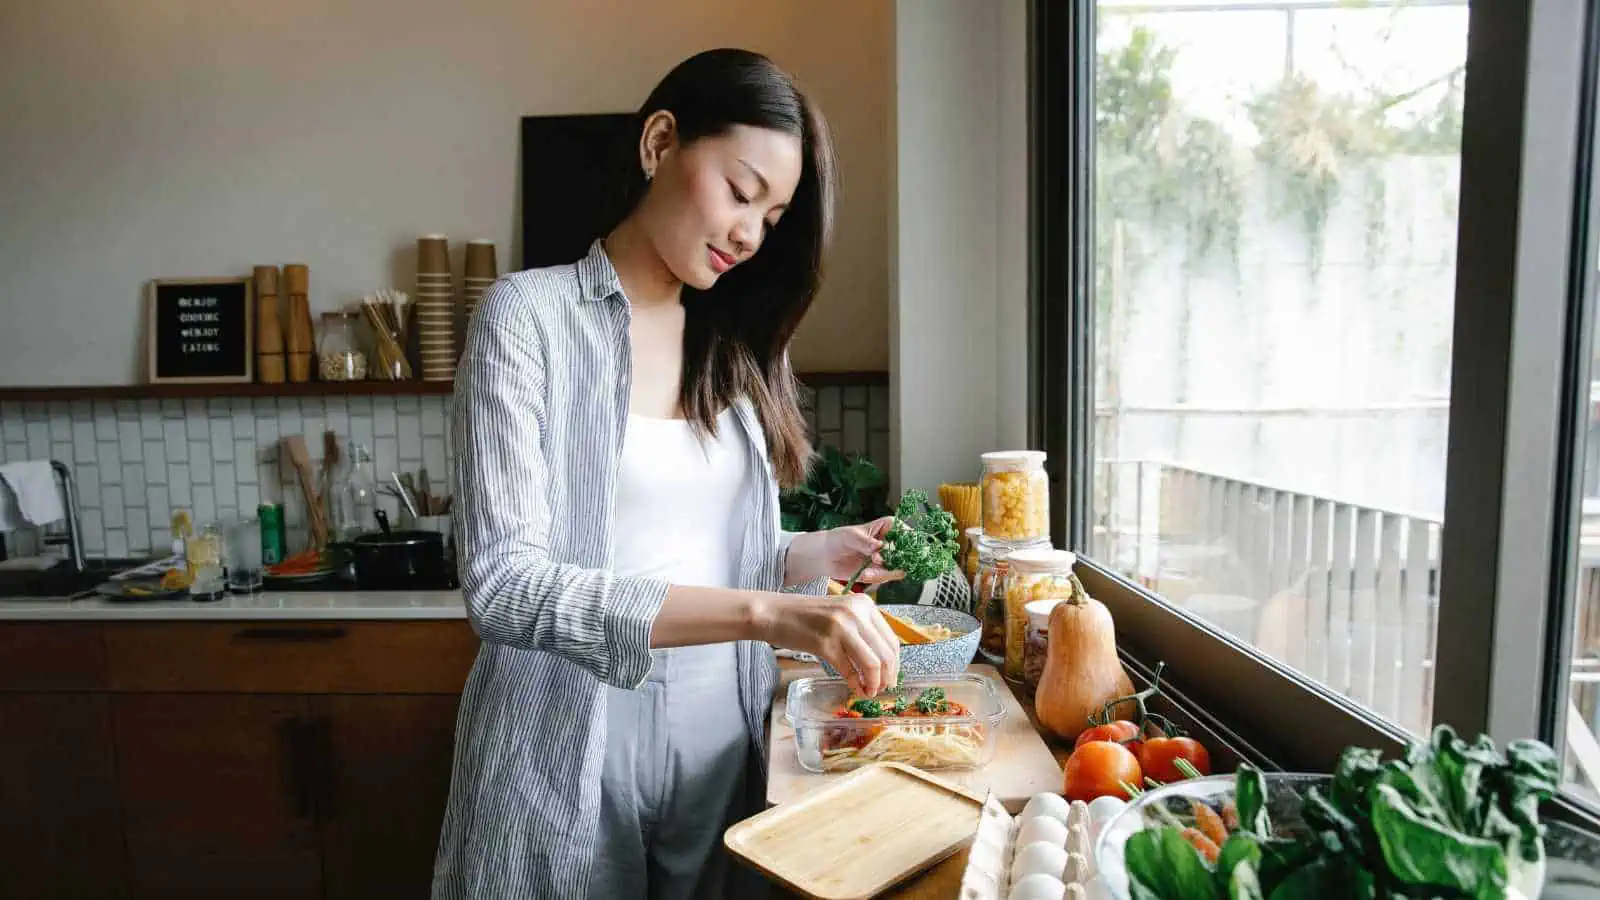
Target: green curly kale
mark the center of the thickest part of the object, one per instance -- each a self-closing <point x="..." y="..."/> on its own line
<point x="921" y="542"/>
<point x="869" y="709"/>
<point x="900" y="704"/>
<point x="932" y="701"/>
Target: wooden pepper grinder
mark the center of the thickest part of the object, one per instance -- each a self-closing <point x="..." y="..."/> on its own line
<point x="269" y="327"/>
<point x="297" y="284"/>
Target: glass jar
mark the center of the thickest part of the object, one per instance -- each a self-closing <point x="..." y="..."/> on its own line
<point x="989" y="596"/>
<point x="1016" y="495"/>
<point x="339" y="355"/>
<point x="1036" y="643"/>
<point x="969" y="558"/>
<point x="1033" y="575"/>
<point x="353" y="495"/>
<point x="203" y="555"/>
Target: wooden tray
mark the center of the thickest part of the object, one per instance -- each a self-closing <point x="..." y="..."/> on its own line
<point x="1022" y="766"/>
<point x="863" y="833"/>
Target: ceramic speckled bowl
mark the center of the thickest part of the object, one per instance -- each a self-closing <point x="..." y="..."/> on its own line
<point x="947" y="657"/>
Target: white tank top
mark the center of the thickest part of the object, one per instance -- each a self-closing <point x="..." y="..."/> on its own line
<point x="676" y="514"/>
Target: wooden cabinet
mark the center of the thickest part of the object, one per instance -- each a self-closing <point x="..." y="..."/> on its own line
<point x="217" y="791"/>
<point x="241" y="760"/>
<point x="60" y="823"/>
<point x="387" y="777"/>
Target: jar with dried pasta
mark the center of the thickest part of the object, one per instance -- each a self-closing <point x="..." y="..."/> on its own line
<point x="1033" y="575"/>
<point x="1016" y="495"/>
<point x="989" y="595"/>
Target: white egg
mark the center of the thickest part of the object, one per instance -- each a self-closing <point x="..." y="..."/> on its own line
<point x="1039" y="859"/>
<point x="1042" y="828"/>
<point x="1038" y="887"/>
<point x="1104" y="809"/>
<point x="1052" y="805"/>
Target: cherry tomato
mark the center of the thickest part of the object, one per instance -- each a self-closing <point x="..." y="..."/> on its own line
<point x="1158" y="758"/>
<point x="1099" y="769"/>
<point x="1120" y="731"/>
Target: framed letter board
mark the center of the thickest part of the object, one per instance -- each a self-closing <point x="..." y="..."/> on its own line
<point x="200" y="330"/>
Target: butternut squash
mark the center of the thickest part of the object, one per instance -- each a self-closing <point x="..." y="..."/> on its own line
<point x="1081" y="671"/>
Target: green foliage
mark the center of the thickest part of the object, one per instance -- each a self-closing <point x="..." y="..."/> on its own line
<point x="1165" y="172"/>
<point x="922" y="542"/>
<point x="841" y="489"/>
<point x="1452" y="819"/>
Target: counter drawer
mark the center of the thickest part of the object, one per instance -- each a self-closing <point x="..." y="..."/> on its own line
<point x="51" y="656"/>
<point x="290" y="657"/>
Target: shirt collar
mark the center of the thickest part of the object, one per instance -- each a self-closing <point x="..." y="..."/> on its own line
<point x="596" y="276"/>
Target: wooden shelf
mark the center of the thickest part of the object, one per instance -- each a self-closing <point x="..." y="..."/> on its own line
<point x="413" y="387"/>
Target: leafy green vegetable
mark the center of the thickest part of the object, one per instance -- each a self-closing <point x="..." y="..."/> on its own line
<point x="921" y="542"/>
<point x="1451" y="820"/>
<point x="932" y="701"/>
<point x="841" y="489"/>
<point x="900" y="705"/>
<point x="869" y="709"/>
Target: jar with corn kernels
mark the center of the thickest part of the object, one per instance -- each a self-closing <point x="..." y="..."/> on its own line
<point x="1015" y="495"/>
<point x="1033" y="575"/>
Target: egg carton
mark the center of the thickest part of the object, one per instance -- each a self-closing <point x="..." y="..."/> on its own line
<point x="1046" y="852"/>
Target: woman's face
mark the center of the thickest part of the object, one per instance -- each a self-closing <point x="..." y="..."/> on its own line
<point x="711" y="203"/>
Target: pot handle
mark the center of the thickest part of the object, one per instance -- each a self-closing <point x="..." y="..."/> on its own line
<point x="383" y="520"/>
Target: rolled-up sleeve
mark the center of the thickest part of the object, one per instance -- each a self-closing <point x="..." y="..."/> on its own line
<point x="818" y="585"/>
<point x="515" y="594"/>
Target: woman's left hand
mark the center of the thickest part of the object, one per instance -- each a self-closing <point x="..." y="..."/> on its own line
<point x="845" y="548"/>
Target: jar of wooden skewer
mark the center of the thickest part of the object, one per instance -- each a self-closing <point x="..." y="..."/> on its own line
<point x="389" y="314"/>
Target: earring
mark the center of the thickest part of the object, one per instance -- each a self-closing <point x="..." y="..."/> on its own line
<point x="649" y="177"/>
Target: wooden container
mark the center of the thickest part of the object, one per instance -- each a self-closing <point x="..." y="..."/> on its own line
<point x="301" y="343"/>
<point x="269" y="327"/>
<point x="861" y="835"/>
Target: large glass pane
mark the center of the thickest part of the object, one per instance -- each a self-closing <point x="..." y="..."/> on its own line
<point x="1275" y="243"/>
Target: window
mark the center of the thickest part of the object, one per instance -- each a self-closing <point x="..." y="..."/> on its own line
<point x="1274" y="209"/>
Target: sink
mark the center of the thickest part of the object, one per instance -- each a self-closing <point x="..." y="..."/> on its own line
<point x="62" y="581"/>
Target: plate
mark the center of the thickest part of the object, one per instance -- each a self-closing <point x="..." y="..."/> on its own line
<point x="130" y="590"/>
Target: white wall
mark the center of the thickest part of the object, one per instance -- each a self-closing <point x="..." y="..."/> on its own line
<point x="958" y="270"/>
<point x="156" y="138"/>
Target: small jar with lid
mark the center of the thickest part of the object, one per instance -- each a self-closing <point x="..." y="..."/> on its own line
<point x="1036" y="643"/>
<point x="1033" y="575"/>
<point x="989" y="596"/>
<point x="969" y="558"/>
<point x="339" y="353"/>
<point x="1015" y="495"/>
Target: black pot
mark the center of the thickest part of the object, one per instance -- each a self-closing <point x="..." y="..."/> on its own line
<point x="390" y="560"/>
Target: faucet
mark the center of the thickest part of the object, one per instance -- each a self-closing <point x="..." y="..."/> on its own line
<point x="74" y="538"/>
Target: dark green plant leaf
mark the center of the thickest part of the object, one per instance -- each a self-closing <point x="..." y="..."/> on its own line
<point x="1165" y="866"/>
<point x="1250" y="798"/>
<point x="1422" y="851"/>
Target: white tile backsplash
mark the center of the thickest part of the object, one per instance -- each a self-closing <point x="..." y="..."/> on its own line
<point x="134" y="462"/>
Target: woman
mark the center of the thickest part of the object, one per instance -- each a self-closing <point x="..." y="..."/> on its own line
<point x="622" y="426"/>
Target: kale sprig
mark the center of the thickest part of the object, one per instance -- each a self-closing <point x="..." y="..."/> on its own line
<point x="921" y="542"/>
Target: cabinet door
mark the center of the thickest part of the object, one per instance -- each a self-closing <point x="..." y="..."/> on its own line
<point x="60" y="827"/>
<point x="387" y="775"/>
<point x="218" y="794"/>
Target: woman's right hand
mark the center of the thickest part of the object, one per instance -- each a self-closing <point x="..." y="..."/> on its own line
<point x="846" y="630"/>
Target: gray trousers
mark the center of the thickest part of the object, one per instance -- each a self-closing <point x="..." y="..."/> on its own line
<point x="673" y="779"/>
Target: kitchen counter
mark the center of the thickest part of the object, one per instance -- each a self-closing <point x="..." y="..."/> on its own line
<point x="280" y="605"/>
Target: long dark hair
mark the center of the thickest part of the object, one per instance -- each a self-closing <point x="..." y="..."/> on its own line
<point x="736" y="335"/>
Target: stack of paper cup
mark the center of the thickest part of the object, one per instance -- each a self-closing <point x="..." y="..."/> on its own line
<point x="477" y="274"/>
<point x="435" y="309"/>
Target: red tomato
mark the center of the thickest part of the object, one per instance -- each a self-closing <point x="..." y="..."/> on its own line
<point x="1158" y="758"/>
<point x="1120" y="731"/>
<point x="1099" y="769"/>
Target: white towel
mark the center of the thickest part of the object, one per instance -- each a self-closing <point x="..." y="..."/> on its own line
<point x="32" y="496"/>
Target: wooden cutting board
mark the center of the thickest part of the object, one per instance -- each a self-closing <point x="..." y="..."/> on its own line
<point x="860" y="835"/>
<point x="1022" y="765"/>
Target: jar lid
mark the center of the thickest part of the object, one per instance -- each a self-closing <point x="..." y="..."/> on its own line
<point x="1043" y="559"/>
<point x="1013" y="458"/>
<point x="998" y="549"/>
<point x="974" y="532"/>
<point x="1039" y="612"/>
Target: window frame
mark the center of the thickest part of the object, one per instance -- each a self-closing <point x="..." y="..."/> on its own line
<point x="1516" y="371"/>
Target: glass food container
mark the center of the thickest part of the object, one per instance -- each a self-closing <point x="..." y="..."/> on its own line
<point x="969" y="558"/>
<point x="339" y="356"/>
<point x="1016" y="496"/>
<point x="827" y="741"/>
<point x="1036" y="643"/>
<point x="989" y="596"/>
<point x="1042" y="574"/>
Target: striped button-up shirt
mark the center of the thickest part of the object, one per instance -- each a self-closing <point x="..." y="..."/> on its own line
<point x="540" y="412"/>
